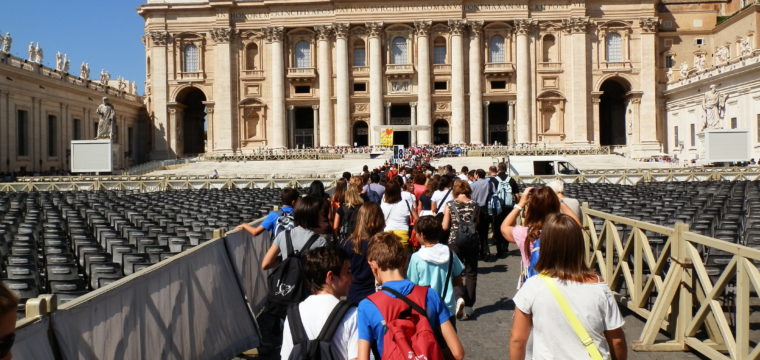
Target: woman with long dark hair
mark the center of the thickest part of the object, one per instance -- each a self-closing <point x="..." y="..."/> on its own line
<point x="565" y="278"/>
<point x="369" y="221"/>
<point x="307" y="217"/>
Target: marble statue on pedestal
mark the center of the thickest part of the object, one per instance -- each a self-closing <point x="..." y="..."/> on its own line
<point x="58" y="61"/>
<point x="670" y="75"/>
<point x="7" y="41"/>
<point x="66" y="63"/>
<point x="714" y="105"/>
<point x="30" y="52"/>
<point x="745" y="46"/>
<point x="105" y="76"/>
<point x="722" y="54"/>
<point x="84" y="71"/>
<point x="38" y="54"/>
<point x="700" y="62"/>
<point x="107" y="114"/>
<point x="683" y="70"/>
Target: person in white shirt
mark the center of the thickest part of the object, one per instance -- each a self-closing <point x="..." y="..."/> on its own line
<point x="326" y="271"/>
<point x="442" y="196"/>
<point x="398" y="213"/>
<point x="464" y="175"/>
<point x="562" y="262"/>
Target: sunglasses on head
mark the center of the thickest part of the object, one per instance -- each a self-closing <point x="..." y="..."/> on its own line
<point x="6" y="344"/>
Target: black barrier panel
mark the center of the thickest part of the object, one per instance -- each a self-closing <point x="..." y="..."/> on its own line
<point x="32" y="341"/>
<point x="246" y="252"/>
<point x="188" y="308"/>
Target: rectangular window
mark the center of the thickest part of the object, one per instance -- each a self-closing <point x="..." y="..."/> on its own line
<point x="668" y="61"/>
<point x="440" y="85"/>
<point x="699" y="41"/>
<point x="675" y="136"/>
<point x="95" y="128"/>
<point x="303" y="89"/>
<point x="360" y="87"/>
<point x="130" y="138"/>
<point x="734" y="123"/>
<point x="439" y="55"/>
<point x="360" y="57"/>
<point x="497" y="85"/>
<point x="77" y="129"/>
<point x="52" y="143"/>
<point x="693" y="135"/>
<point x="22" y="132"/>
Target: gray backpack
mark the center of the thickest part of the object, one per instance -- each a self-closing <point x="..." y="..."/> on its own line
<point x="320" y="348"/>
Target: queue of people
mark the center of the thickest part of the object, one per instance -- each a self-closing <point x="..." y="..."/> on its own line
<point x="388" y="265"/>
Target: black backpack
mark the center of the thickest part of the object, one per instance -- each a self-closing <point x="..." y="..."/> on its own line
<point x="286" y="285"/>
<point x="347" y="223"/>
<point x="320" y="348"/>
<point x="467" y="233"/>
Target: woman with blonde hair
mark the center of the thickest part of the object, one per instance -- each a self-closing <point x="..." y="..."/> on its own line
<point x="369" y="221"/>
<point x="345" y="216"/>
<point x="564" y="278"/>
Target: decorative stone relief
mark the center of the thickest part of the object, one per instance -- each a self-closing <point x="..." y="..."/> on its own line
<point x="341" y="30"/>
<point x="374" y="29"/>
<point x="160" y="38"/>
<point x="649" y="24"/>
<point x="360" y="108"/>
<point x="456" y="27"/>
<point x="700" y="62"/>
<point x="422" y="27"/>
<point x="524" y="26"/>
<point x="684" y="70"/>
<point x="722" y="54"/>
<point x="442" y="106"/>
<point x="222" y="35"/>
<point x="275" y="33"/>
<point x="745" y="46"/>
<point x="576" y="25"/>
<point x="324" y="32"/>
<point x="400" y="87"/>
<point x="476" y="27"/>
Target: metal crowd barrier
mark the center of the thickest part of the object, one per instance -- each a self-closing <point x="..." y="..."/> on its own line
<point x="517" y="151"/>
<point x="196" y="305"/>
<point x="667" y="284"/>
<point x="162" y="184"/>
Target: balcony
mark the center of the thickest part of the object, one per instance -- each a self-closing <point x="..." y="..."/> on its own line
<point x="399" y="70"/>
<point x="255" y="74"/>
<point x="550" y="67"/>
<point x="494" y="69"/>
<point x="360" y="70"/>
<point x="190" y="76"/>
<point x="615" y="66"/>
<point x="441" y="68"/>
<point x="302" y="74"/>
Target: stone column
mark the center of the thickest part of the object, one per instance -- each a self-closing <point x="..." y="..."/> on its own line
<point x="160" y="95"/>
<point x="209" y="110"/>
<point x="647" y="121"/>
<point x="375" y="81"/>
<point x="413" y="132"/>
<point x="422" y="29"/>
<point x="292" y="125"/>
<point x="458" y="127"/>
<point x="476" y="83"/>
<point x="524" y="28"/>
<point x="387" y="114"/>
<point x="343" y="111"/>
<point x="315" y="108"/>
<point x="279" y="136"/>
<point x="596" y="99"/>
<point x="225" y="120"/>
<point x="324" y="67"/>
<point x="511" y="122"/>
<point x="578" y="96"/>
<point x="487" y="120"/>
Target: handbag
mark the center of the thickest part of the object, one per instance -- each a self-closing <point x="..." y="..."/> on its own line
<point x="571" y="318"/>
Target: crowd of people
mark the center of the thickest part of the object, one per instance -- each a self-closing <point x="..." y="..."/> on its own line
<point x="387" y="265"/>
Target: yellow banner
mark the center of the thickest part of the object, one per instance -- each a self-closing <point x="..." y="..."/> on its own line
<point x="386" y="137"/>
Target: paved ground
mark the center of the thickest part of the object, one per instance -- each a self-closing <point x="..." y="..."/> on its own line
<point x="487" y="336"/>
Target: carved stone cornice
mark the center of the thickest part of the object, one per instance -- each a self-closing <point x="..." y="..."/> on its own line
<point x="422" y="27"/>
<point x="222" y="34"/>
<point x="457" y="27"/>
<point x="160" y="38"/>
<point x="341" y="30"/>
<point x="374" y="29"/>
<point x="476" y="27"/>
<point x="576" y="25"/>
<point x="524" y="26"/>
<point x="649" y="24"/>
<point x="275" y="33"/>
<point x="324" y="32"/>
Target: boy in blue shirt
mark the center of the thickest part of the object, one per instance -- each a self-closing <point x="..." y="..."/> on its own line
<point x="387" y="259"/>
<point x="288" y="198"/>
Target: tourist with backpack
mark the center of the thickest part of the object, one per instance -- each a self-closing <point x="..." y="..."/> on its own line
<point x="538" y="204"/>
<point x="460" y="218"/>
<point x="500" y="202"/>
<point x="373" y="191"/>
<point x="322" y="326"/>
<point x="402" y="320"/>
<point x="567" y="304"/>
<point x="398" y="214"/>
<point x="435" y="264"/>
<point x="369" y="221"/>
<point x="480" y="193"/>
<point x="279" y="220"/>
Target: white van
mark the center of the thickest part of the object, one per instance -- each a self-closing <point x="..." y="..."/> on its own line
<point x="541" y="165"/>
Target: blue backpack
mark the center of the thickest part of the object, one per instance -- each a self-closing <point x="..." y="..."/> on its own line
<point x="501" y="197"/>
<point x="530" y="270"/>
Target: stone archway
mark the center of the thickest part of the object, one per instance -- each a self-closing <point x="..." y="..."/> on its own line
<point x="360" y="133"/>
<point x="440" y="132"/>
<point x="191" y="125"/>
<point x="612" y="112"/>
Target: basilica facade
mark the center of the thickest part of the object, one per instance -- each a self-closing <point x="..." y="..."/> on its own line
<point x="229" y="76"/>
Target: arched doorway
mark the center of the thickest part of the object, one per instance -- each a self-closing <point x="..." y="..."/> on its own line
<point x="361" y="133"/>
<point x="192" y="122"/>
<point x="440" y="132"/>
<point x="612" y="112"/>
<point x="498" y="114"/>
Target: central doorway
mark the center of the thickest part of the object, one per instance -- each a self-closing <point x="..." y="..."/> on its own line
<point x="361" y="133"/>
<point x="402" y="138"/>
<point x="304" y="127"/>
<point x="497" y="123"/>
<point x="193" y="124"/>
<point x="440" y="132"/>
<point x="612" y="112"/>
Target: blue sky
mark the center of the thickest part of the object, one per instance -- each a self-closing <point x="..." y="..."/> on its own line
<point x="104" y="33"/>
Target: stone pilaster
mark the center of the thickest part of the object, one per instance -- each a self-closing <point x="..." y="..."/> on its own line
<point x="524" y="28"/>
<point x="160" y="93"/>
<point x="512" y="138"/>
<point x="424" y="100"/>
<point x="387" y="114"/>
<point x="487" y="122"/>
<point x="476" y="83"/>
<point x="458" y="126"/>
<point x="224" y="94"/>
<point x="315" y="109"/>
<point x="577" y="27"/>
<point x="324" y="67"/>
<point x="648" y="117"/>
<point x="596" y="99"/>
<point x="413" y="110"/>
<point x="292" y="125"/>
<point x="279" y="134"/>
<point x="343" y="111"/>
<point x="375" y="30"/>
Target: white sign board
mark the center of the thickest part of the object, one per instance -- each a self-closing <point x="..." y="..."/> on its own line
<point x="91" y="156"/>
<point x="727" y="146"/>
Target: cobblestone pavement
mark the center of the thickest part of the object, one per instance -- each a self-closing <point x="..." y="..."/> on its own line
<point x="486" y="337"/>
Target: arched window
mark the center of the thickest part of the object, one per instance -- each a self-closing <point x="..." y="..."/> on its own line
<point x="303" y="54"/>
<point x="439" y="50"/>
<point x="550" y="51"/>
<point x="399" y="53"/>
<point x="251" y="56"/>
<point x="614" y="45"/>
<point x="360" y="53"/>
<point x="191" y="58"/>
<point x="496" y="49"/>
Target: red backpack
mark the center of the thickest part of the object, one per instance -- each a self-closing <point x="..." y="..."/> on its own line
<point x="409" y="334"/>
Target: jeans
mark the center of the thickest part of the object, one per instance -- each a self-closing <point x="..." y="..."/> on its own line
<point x="469" y="258"/>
